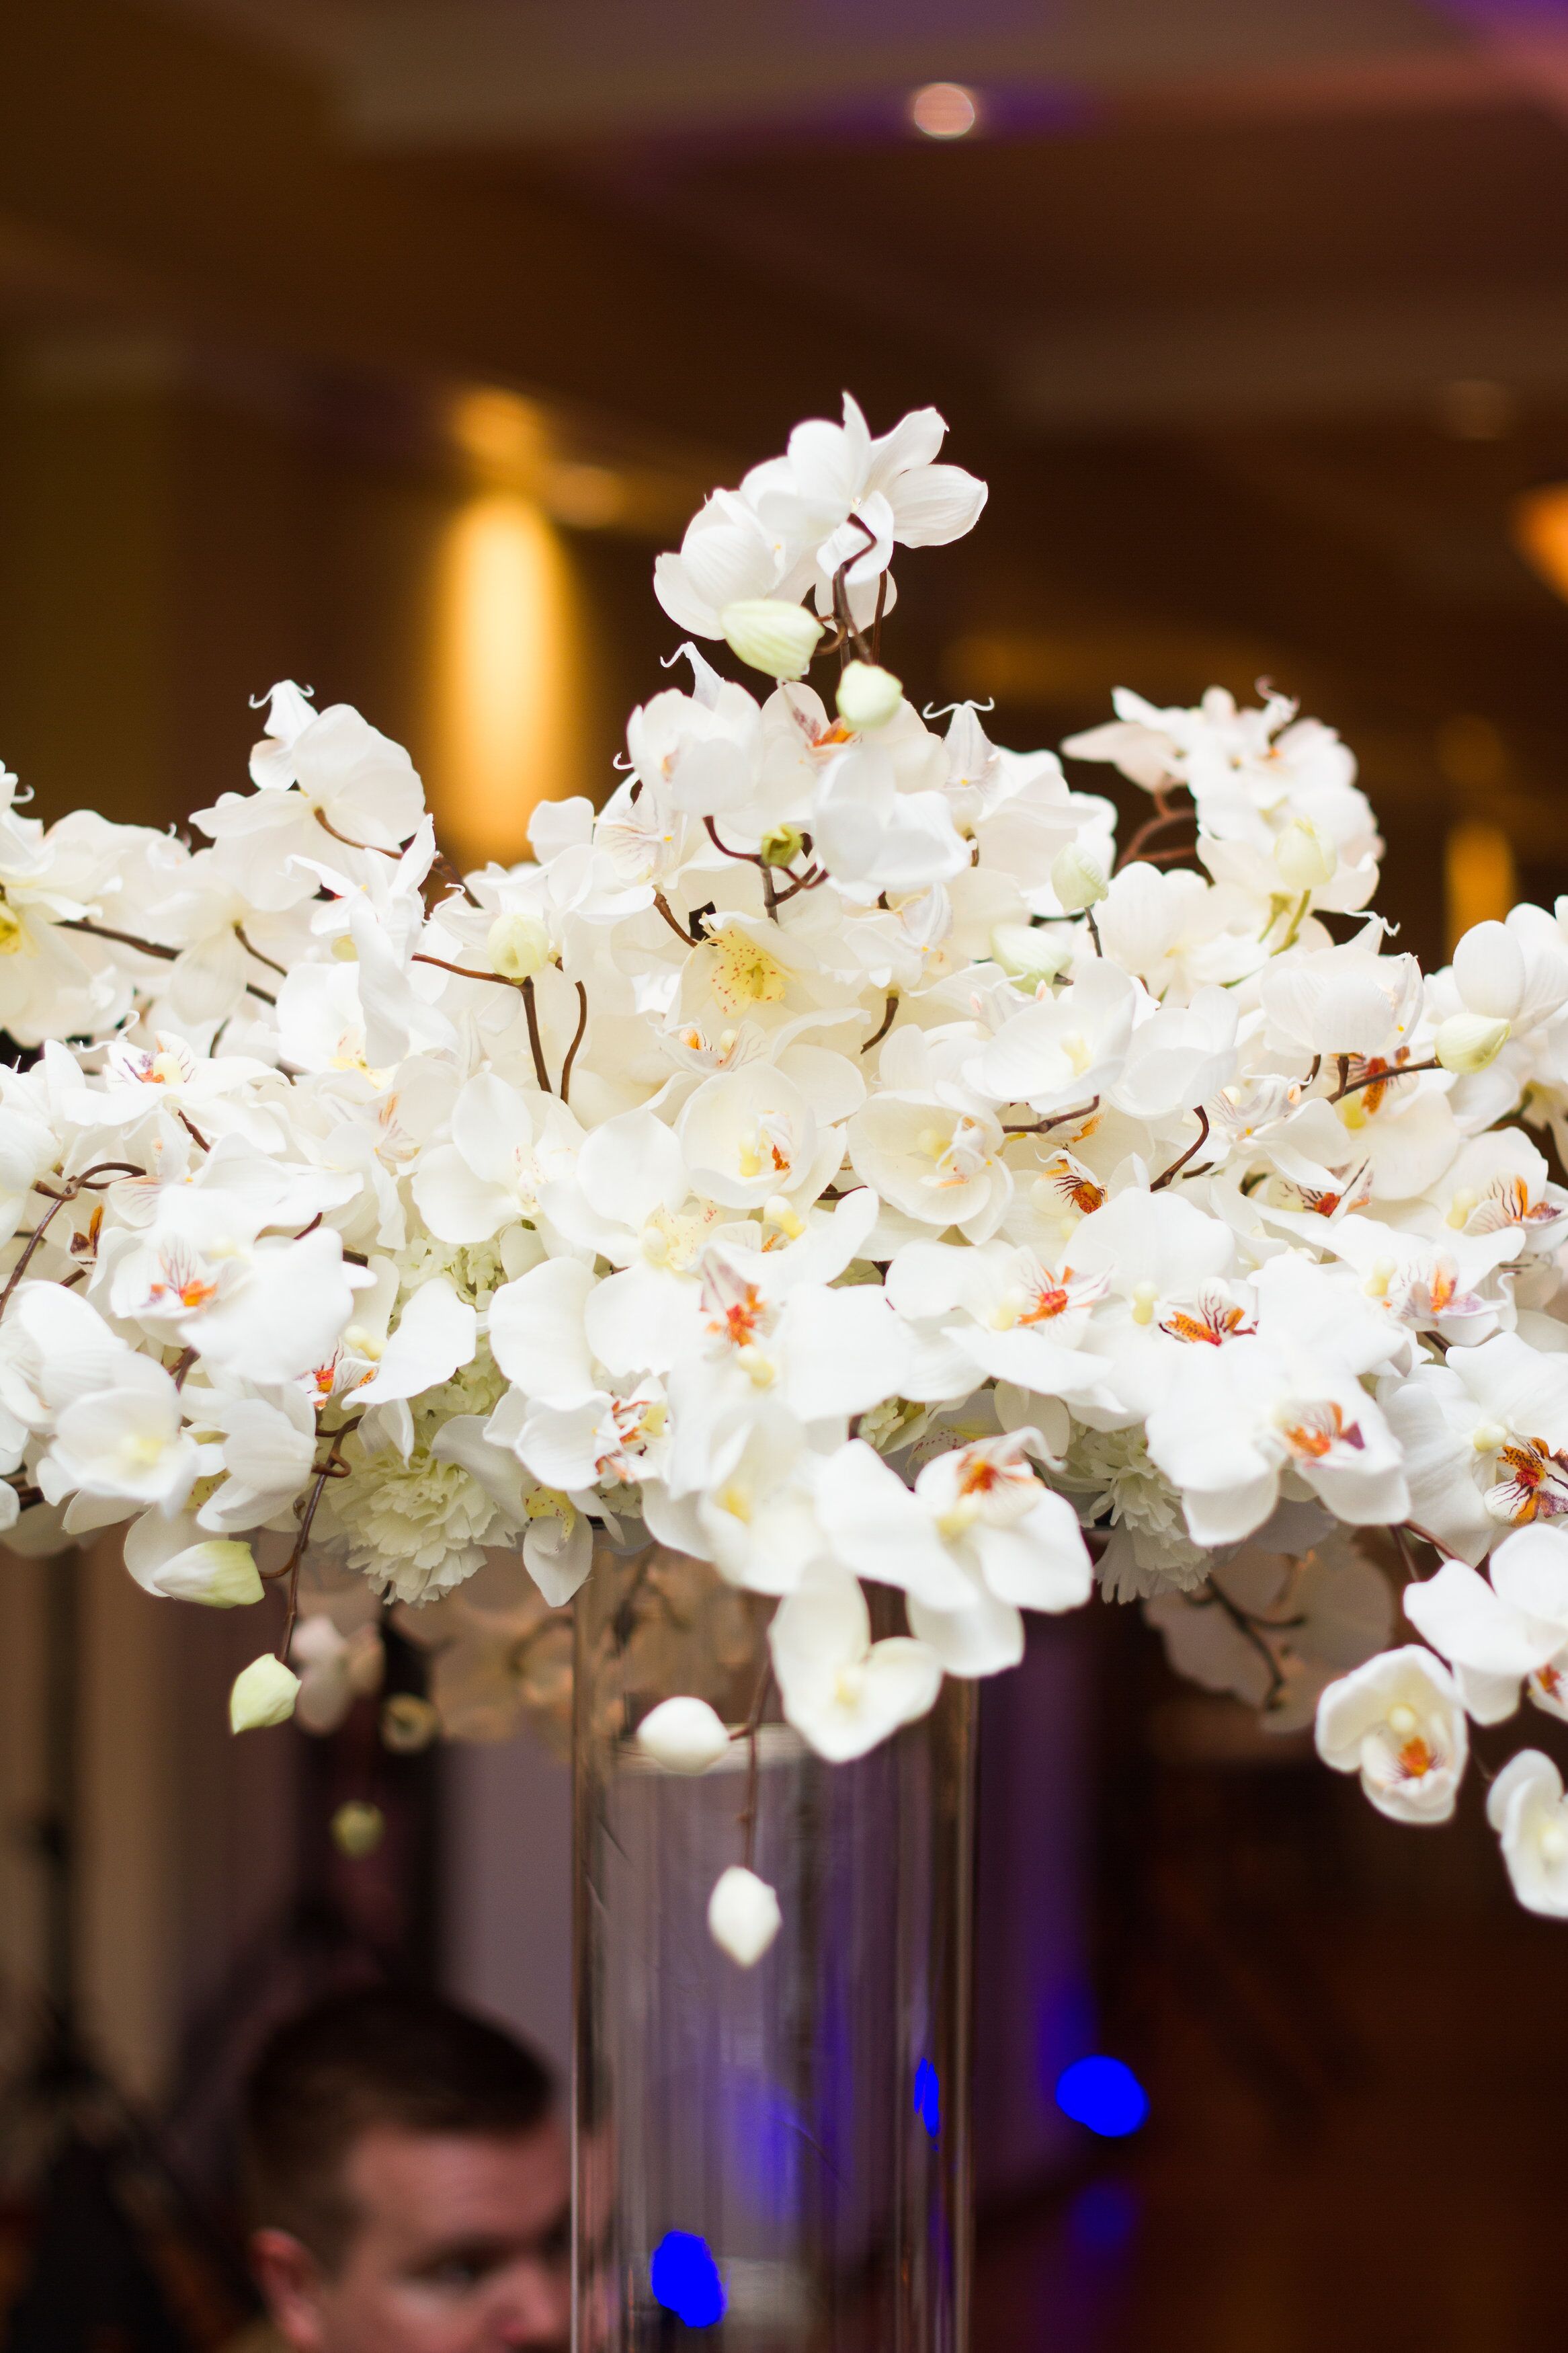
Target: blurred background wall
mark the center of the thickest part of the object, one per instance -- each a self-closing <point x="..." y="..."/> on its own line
<point x="381" y="344"/>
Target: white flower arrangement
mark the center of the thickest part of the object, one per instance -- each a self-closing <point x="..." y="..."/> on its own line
<point x="828" y="1160"/>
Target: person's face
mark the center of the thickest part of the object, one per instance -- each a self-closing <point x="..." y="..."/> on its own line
<point x="462" y="2247"/>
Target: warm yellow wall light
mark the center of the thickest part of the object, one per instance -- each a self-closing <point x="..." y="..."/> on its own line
<point x="509" y="676"/>
<point x="1481" y="882"/>
<point x="500" y="434"/>
<point x="1541" y="534"/>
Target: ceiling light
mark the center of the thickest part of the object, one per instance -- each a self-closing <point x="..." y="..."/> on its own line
<point x="1541" y="534"/>
<point x="944" y="109"/>
<point x="498" y="431"/>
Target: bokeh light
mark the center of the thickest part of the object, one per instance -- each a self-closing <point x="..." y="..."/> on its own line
<point x="685" y="2280"/>
<point x="944" y="109"/>
<point x="1103" y="2095"/>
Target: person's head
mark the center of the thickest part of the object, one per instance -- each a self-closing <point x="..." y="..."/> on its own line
<point x="408" y="2182"/>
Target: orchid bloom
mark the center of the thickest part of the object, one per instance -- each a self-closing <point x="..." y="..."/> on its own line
<point x="835" y="1160"/>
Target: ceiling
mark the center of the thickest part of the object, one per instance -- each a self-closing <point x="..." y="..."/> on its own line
<point x="1255" y="310"/>
<point x="1174" y="211"/>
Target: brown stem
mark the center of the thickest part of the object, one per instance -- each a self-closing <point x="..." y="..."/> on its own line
<point x="1247" y="1628"/>
<point x="280" y="969"/>
<point x="1379" y="1078"/>
<point x="531" y="1009"/>
<point x="371" y="849"/>
<point x="877" y="1037"/>
<point x="745" y="857"/>
<point x="374" y="848"/>
<point x="748" y="1818"/>
<point x="1406" y="1560"/>
<point x="809" y="881"/>
<point x="68" y="1192"/>
<point x="841" y="592"/>
<point x="1177" y="1166"/>
<point x="1093" y="930"/>
<point x="1443" y="1551"/>
<point x="465" y="971"/>
<point x="291" y="1567"/>
<point x="1062" y="1119"/>
<point x="687" y="939"/>
<point x="468" y="971"/>
<point x="577" y="1040"/>
<point x="192" y="1131"/>
<point x="120" y="939"/>
<point x="34" y="1240"/>
<point x="453" y="876"/>
<point x="1163" y="817"/>
<point x="146" y="947"/>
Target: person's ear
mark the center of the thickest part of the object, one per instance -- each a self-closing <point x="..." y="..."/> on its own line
<point x="289" y="2278"/>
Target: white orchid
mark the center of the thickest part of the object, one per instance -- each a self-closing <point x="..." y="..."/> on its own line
<point x="844" y="1692"/>
<point x="1398" y="1721"/>
<point x="1496" y="1636"/>
<point x="978" y="1539"/>
<point x="1525" y="1806"/>
<point x="828" y="1160"/>
<point x="1285" y="1404"/>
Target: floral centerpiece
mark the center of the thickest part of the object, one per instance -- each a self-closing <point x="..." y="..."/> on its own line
<point x="829" y="1159"/>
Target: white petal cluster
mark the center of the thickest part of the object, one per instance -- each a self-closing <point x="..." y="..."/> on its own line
<point x="830" y="1159"/>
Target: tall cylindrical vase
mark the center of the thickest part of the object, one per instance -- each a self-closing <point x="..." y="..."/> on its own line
<point x="773" y="2159"/>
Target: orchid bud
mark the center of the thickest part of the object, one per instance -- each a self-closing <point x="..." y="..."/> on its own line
<point x="781" y="845"/>
<point x="221" y="1573"/>
<point x="684" y="1735"/>
<point x="358" y="1828"/>
<point x="869" y="696"/>
<point x="1078" y="882"/>
<point x="518" y="946"/>
<point x="1028" y="954"/>
<point x="408" y="1723"/>
<point x="771" y="634"/>
<point x="264" y="1692"/>
<point x="1467" y="1042"/>
<point x="1305" y="859"/>
<point x="743" y="1916"/>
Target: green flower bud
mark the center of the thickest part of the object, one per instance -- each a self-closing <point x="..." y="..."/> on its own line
<point x="358" y="1828"/>
<point x="518" y="946"/>
<point x="221" y="1573"/>
<point x="1305" y="858"/>
<point x="1028" y="954"/>
<point x="1467" y="1042"/>
<point x="408" y="1723"/>
<point x="781" y="845"/>
<point x="264" y="1692"/>
<point x="1076" y="879"/>
<point x="868" y="697"/>
<point x="770" y="635"/>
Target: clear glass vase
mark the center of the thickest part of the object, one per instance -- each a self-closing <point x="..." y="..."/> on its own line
<point x="773" y="2158"/>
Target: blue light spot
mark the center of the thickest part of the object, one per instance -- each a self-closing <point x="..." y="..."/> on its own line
<point x="928" y="2098"/>
<point x="1104" y="2094"/>
<point x="685" y="2280"/>
<point x="1103" y="2218"/>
